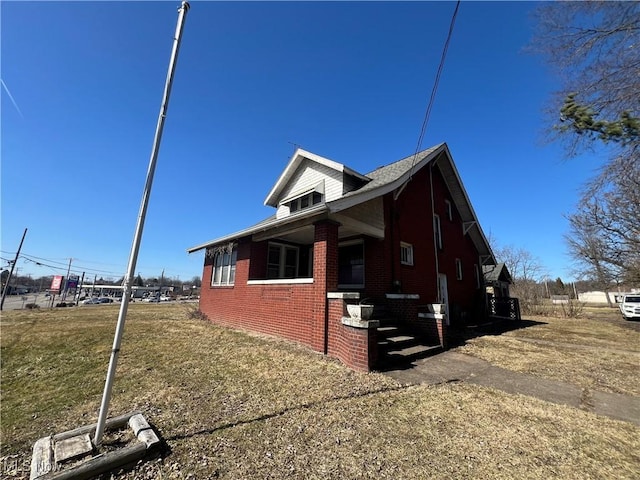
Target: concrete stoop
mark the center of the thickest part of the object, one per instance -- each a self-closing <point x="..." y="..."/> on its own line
<point x="398" y="347"/>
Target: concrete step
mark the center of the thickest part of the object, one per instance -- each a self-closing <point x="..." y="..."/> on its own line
<point x="401" y="338"/>
<point x="400" y="357"/>
<point x="396" y="342"/>
<point x="386" y="321"/>
<point x="388" y="330"/>
<point x="413" y="350"/>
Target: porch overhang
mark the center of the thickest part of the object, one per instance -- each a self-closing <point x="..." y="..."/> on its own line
<point x="270" y="224"/>
<point x="298" y="228"/>
<point x="302" y="232"/>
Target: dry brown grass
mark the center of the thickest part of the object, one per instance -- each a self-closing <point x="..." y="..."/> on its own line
<point x="231" y="405"/>
<point x="592" y="353"/>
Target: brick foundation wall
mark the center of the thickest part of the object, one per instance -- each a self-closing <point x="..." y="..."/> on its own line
<point x="433" y="330"/>
<point x="404" y="310"/>
<point x="355" y="347"/>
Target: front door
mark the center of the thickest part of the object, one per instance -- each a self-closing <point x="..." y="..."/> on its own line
<point x="443" y="296"/>
<point x="351" y="264"/>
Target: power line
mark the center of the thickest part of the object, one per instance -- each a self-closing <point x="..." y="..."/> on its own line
<point x="77" y="268"/>
<point x="59" y="265"/>
<point x="435" y="88"/>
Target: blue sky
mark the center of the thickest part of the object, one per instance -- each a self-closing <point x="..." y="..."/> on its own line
<point x="348" y="81"/>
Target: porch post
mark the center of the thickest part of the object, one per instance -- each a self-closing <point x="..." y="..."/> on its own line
<point x="325" y="278"/>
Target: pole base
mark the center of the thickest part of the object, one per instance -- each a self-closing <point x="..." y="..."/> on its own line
<point x="72" y="455"/>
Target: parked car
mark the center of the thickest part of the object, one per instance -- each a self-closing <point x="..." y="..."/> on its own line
<point x="105" y="300"/>
<point x="165" y="298"/>
<point x="91" y="301"/>
<point x="630" y="307"/>
<point x="151" y="299"/>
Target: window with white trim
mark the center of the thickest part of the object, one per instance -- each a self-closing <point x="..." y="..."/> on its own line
<point x="449" y="207"/>
<point x="458" y="269"/>
<point x="406" y="253"/>
<point x="437" y="231"/>
<point x="282" y="261"/>
<point x="305" y="201"/>
<point x="224" y="267"/>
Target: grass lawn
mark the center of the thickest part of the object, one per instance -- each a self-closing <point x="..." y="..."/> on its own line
<point x="232" y="405"/>
<point x="597" y="352"/>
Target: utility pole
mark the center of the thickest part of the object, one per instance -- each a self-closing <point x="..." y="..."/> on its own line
<point x="79" y="289"/>
<point x="13" y="264"/>
<point x="66" y="282"/>
<point x="137" y="237"/>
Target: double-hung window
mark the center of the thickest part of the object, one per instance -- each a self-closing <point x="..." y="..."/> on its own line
<point x="406" y="253"/>
<point x="224" y="267"/>
<point x="282" y="261"/>
<point x="437" y="231"/>
<point x="449" y="209"/>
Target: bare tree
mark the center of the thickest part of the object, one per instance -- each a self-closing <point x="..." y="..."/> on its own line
<point x="604" y="236"/>
<point x="595" y="48"/>
<point x="526" y="272"/>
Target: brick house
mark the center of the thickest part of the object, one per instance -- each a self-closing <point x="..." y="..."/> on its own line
<point x="402" y="238"/>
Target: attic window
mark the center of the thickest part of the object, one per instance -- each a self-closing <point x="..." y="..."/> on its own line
<point x="449" y="208"/>
<point x="305" y="201"/>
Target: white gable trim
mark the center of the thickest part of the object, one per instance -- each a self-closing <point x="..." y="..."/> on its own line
<point x="297" y="158"/>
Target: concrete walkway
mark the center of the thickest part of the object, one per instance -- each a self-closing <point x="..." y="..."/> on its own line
<point x="453" y="366"/>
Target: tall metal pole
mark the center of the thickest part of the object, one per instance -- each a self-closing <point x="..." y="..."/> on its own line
<point x="79" y="290"/>
<point x="13" y="265"/>
<point x="106" y="397"/>
<point x="66" y="282"/>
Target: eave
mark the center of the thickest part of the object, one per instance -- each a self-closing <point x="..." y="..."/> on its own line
<point x="268" y="224"/>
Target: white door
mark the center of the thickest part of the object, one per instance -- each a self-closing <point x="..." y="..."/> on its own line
<point x="443" y="295"/>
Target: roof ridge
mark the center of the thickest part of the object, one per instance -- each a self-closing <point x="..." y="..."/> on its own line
<point x="424" y="152"/>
